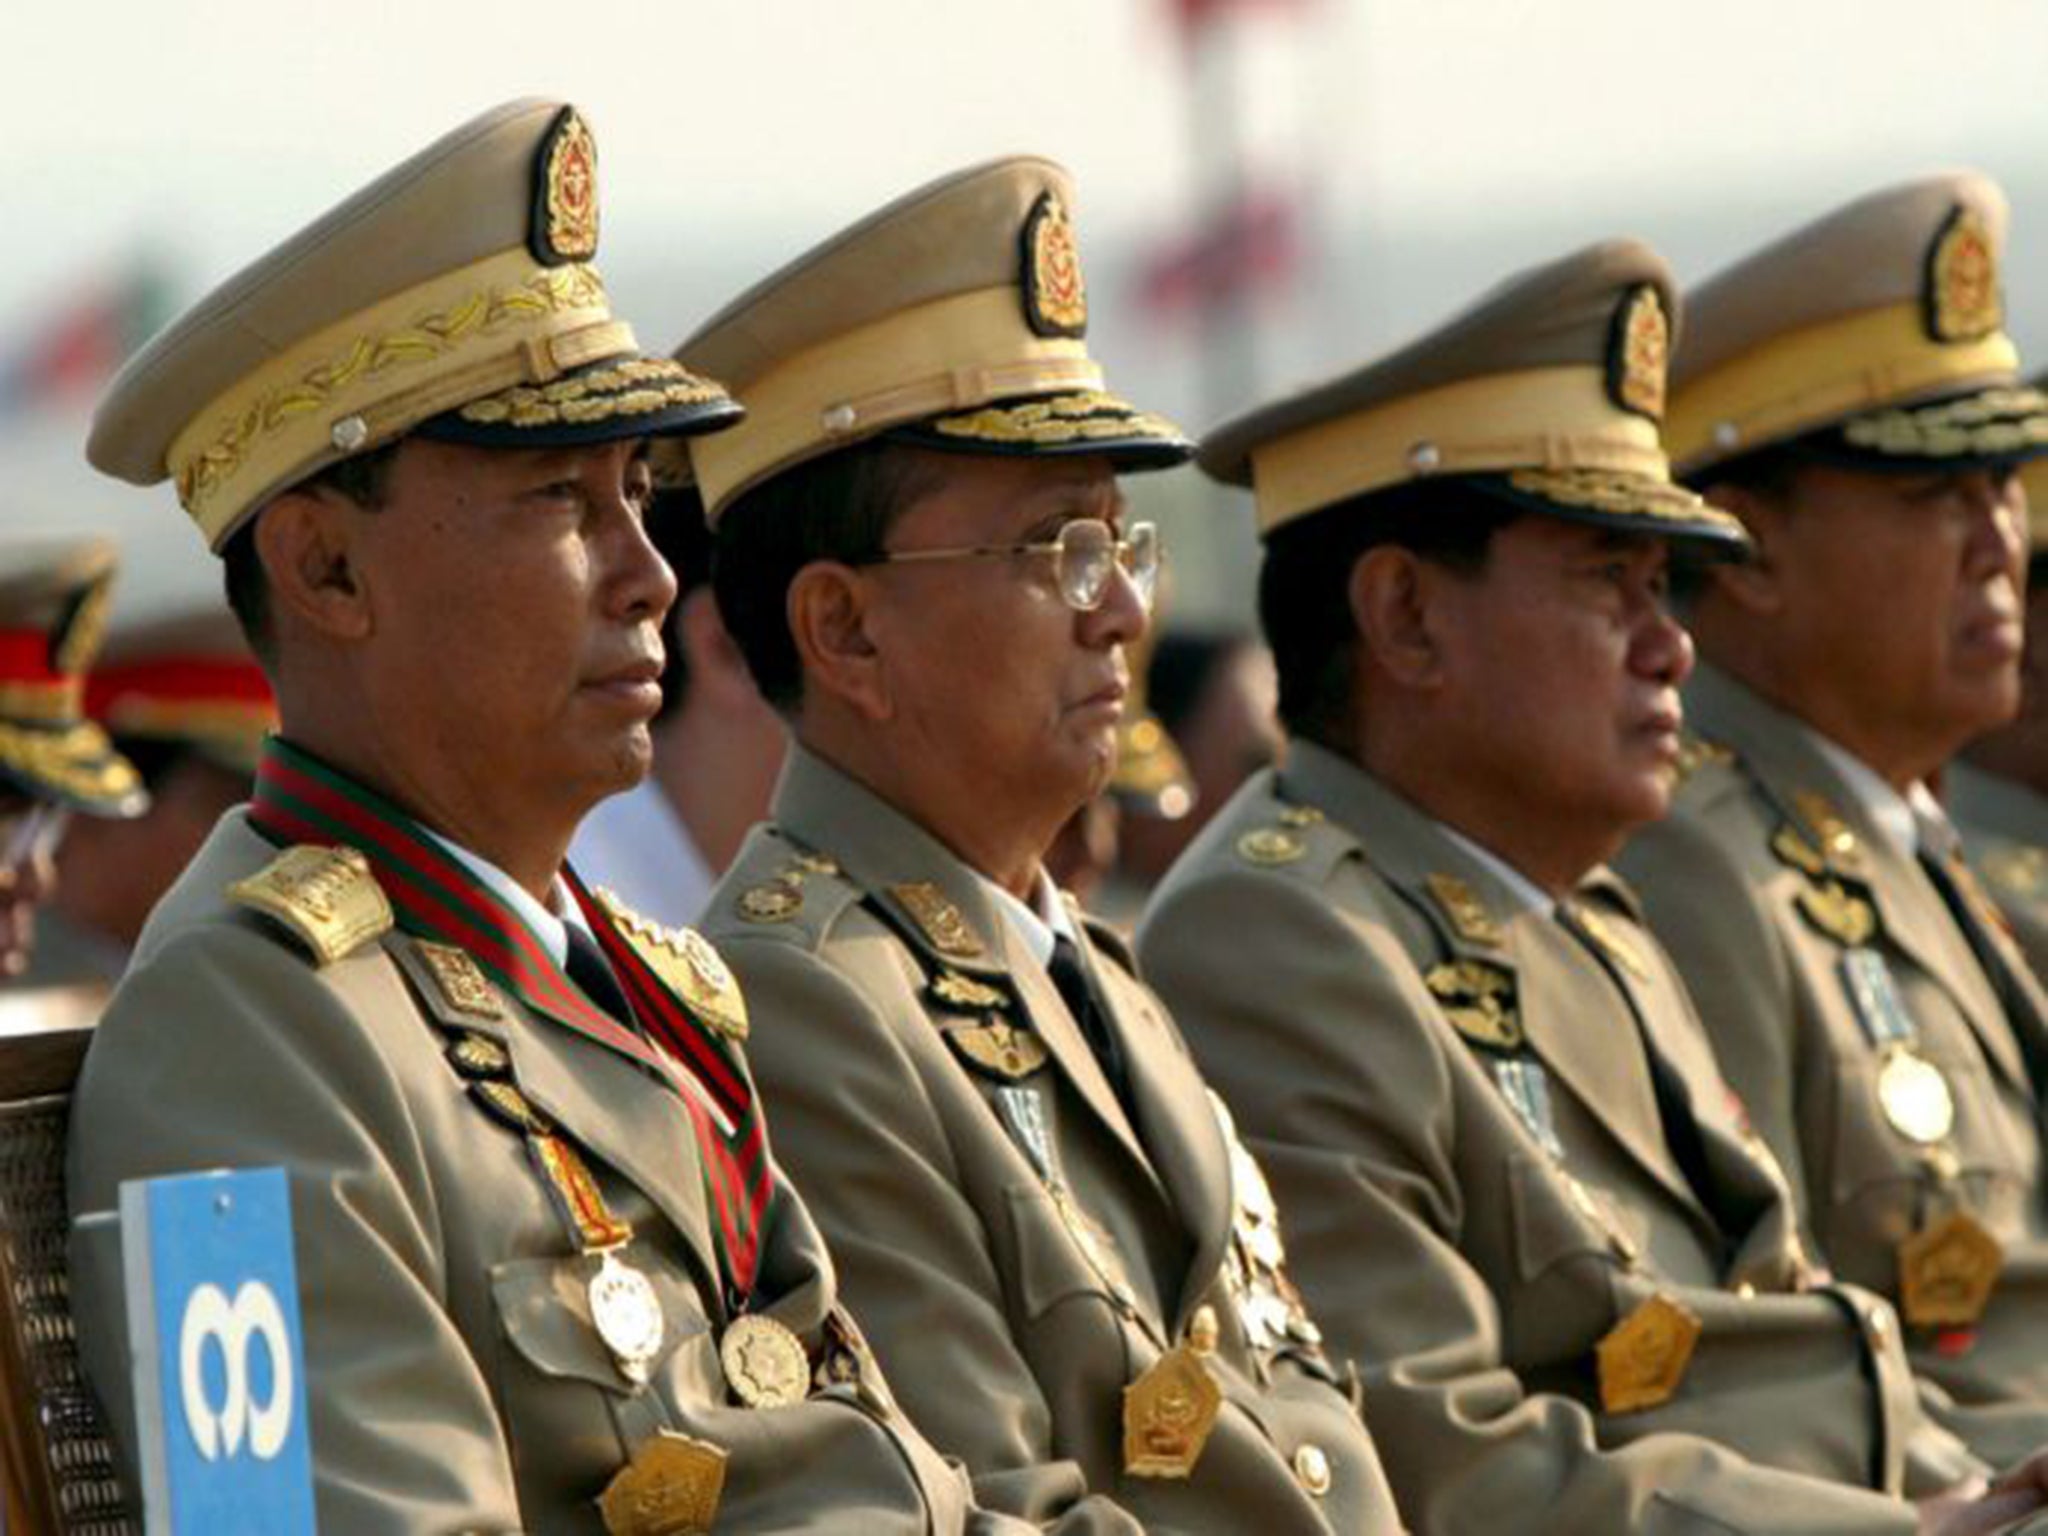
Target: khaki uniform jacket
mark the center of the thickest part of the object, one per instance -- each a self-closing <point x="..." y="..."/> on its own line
<point x="1754" y="942"/>
<point x="2005" y="833"/>
<point x="1473" y="1271"/>
<point x="1014" y="1313"/>
<point x="454" y="1378"/>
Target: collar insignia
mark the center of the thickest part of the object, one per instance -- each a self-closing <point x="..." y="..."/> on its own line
<point x="1639" y="352"/>
<point x="686" y="964"/>
<point x="956" y="991"/>
<point x="1055" y="297"/>
<point x="1000" y="1049"/>
<point x="1962" y="299"/>
<point x="459" y="980"/>
<point x="942" y="924"/>
<point x="1466" y="912"/>
<point x="564" y="227"/>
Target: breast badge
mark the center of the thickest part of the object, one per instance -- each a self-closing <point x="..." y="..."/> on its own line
<point x="1642" y="1359"/>
<point x="1947" y="1273"/>
<point x="671" y="1487"/>
<point x="1000" y="1049"/>
<point x="1838" y="912"/>
<point x="1170" y="1410"/>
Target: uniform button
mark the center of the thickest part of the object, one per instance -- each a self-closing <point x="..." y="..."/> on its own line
<point x="1313" y="1468"/>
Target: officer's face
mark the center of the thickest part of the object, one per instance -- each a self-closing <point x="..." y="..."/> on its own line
<point x="1902" y="604"/>
<point x="515" y="610"/>
<point x="1561" y="667"/>
<point x="988" y="669"/>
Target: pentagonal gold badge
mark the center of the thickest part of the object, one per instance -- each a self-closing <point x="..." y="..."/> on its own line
<point x="1642" y="1359"/>
<point x="1947" y="1273"/>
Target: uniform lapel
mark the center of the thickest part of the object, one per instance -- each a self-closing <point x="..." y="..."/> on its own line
<point x="1559" y="985"/>
<point x="1178" y="1124"/>
<point x="1785" y="759"/>
<point x="916" y="880"/>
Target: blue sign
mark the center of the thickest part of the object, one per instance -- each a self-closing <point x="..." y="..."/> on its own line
<point x="220" y="1378"/>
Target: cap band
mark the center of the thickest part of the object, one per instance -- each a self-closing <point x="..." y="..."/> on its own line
<point x="1538" y="418"/>
<point x="1814" y="377"/>
<point x="964" y="350"/>
<point x="497" y="322"/>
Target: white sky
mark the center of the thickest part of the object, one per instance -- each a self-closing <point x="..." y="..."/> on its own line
<point x="1446" y="142"/>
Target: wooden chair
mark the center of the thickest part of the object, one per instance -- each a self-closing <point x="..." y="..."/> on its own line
<point x="54" y="1453"/>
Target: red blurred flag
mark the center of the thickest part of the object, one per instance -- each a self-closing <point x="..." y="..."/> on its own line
<point x="1250" y="246"/>
<point x="1195" y="16"/>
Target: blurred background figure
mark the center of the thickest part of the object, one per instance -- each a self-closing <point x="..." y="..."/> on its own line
<point x="1213" y="691"/>
<point x="183" y="700"/>
<point x="717" y="748"/>
<point x="1997" y="791"/>
<point x="53" y="761"/>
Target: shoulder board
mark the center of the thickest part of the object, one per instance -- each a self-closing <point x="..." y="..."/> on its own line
<point x="782" y="891"/>
<point x="1296" y="840"/>
<point x="325" y="897"/>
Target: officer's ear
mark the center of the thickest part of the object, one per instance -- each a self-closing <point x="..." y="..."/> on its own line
<point x="1390" y="597"/>
<point x="305" y="540"/>
<point x="831" y="615"/>
<point x="1755" y="584"/>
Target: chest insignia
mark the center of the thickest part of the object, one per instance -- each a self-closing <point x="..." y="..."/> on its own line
<point x="1479" y="1001"/>
<point x="1002" y="1050"/>
<point x="952" y="990"/>
<point x="1839" y="912"/>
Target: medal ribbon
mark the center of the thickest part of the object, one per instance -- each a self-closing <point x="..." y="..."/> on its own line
<point x="434" y="896"/>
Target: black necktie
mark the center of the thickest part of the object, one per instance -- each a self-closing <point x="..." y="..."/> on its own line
<point x="589" y="969"/>
<point x="1949" y="874"/>
<point x="1682" y="1133"/>
<point x="1071" y="977"/>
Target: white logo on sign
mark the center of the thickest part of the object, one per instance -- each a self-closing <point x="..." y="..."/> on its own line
<point x="253" y="1313"/>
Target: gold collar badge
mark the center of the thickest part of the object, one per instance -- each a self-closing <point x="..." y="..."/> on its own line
<point x="564" y="225"/>
<point x="1055" y="295"/>
<point x="1962" y="297"/>
<point x="943" y="925"/>
<point x="1467" y="913"/>
<point x="1639" y="353"/>
<point x="687" y="965"/>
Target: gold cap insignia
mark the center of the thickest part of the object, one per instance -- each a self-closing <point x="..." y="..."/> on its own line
<point x="1639" y="353"/>
<point x="1947" y="1273"/>
<point x="671" y="1487"/>
<point x="1000" y="1049"/>
<point x="1055" y="297"/>
<point x="944" y="926"/>
<point x="1479" y="1002"/>
<point x="327" y="896"/>
<point x="1642" y="1358"/>
<point x="1467" y="913"/>
<point x="1271" y="845"/>
<point x="1962" y="298"/>
<point x="565" y="193"/>
<point x="963" y="992"/>
<point x="459" y="979"/>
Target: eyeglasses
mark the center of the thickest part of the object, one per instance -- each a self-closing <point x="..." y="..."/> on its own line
<point x="1084" y="556"/>
<point x="30" y="833"/>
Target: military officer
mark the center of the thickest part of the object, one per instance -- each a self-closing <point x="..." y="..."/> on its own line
<point x="1523" y="1195"/>
<point x="551" y="1276"/>
<point x="182" y="699"/>
<point x="54" y="761"/>
<point x="1850" y="394"/>
<point x="1997" y="791"/>
<point x="924" y="557"/>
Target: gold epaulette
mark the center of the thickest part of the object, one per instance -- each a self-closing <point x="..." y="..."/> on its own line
<point x="327" y="897"/>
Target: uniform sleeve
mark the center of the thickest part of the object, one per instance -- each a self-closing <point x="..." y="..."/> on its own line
<point x="851" y="1121"/>
<point x="224" y="1051"/>
<point x="1706" y="914"/>
<point x="1323" y="1048"/>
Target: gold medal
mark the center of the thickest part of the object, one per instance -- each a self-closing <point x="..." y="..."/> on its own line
<point x="1915" y="1096"/>
<point x="627" y="1315"/>
<point x="1170" y="1410"/>
<point x="1642" y="1358"/>
<point x="765" y="1362"/>
<point x="1947" y="1273"/>
<point x="671" y="1487"/>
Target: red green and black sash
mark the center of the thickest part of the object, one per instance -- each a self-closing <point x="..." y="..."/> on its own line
<point x="433" y="895"/>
